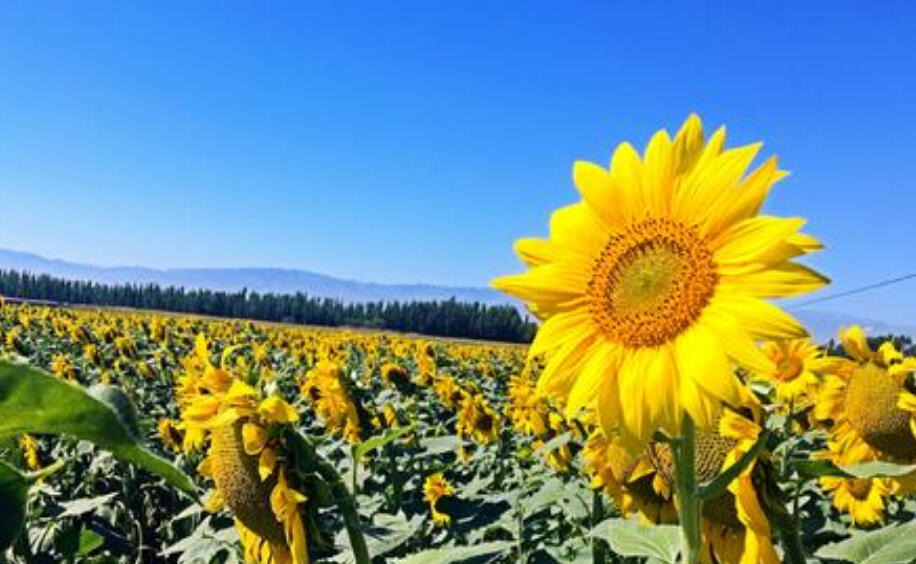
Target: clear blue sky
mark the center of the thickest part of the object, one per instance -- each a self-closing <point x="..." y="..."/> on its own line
<point x="413" y="142"/>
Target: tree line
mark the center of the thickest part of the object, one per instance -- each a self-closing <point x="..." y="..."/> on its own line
<point x="446" y="318"/>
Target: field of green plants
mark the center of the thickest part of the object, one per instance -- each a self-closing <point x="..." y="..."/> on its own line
<point x="392" y="449"/>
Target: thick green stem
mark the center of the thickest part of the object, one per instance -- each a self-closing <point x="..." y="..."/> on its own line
<point x="348" y="509"/>
<point x="346" y="503"/>
<point x="598" y="550"/>
<point x="792" y="545"/>
<point x="689" y="503"/>
<point x="788" y="528"/>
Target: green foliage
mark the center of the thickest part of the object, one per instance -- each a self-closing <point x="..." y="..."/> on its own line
<point x="894" y="544"/>
<point x="14" y="487"/>
<point x="33" y="401"/>
<point x="631" y="538"/>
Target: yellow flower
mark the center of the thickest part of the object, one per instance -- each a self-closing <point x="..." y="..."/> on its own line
<point x="477" y="420"/>
<point x="796" y="364"/>
<point x="62" y="367"/>
<point x="276" y="409"/>
<point x="449" y="392"/>
<point x="655" y="282"/>
<point x="169" y="434"/>
<point x="870" y="416"/>
<point x="284" y="501"/>
<point x="630" y="479"/>
<point x="862" y="498"/>
<point x="324" y="388"/>
<point x="29" y="447"/>
<point x="242" y="459"/>
<point x="758" y="543"/>
<point x="435" y="488"/>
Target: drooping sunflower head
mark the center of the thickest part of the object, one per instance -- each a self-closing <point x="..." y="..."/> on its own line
<point x="245" y="458"/>
<point x="476" y="419"/>
<point x="735" y="525"/>
<point x="325" y="388"/>
<point x="630" y="479"/>
<point x="653" y="285"/>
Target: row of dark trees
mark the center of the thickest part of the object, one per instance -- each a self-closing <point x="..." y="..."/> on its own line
<point x="448" y="318"/>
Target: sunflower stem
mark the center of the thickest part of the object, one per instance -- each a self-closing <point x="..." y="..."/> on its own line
<point x="689" y="501"/>
<point x="347" y="507"/>
<point x="598" y="552"/>
<point x="788" y="529"/>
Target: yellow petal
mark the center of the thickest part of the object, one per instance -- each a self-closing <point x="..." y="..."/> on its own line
<point x="576" y="228"/>
<point x="240" y="389"/>
<point x="555" y="331"/>
<point x="855" y="344"/>
<point x="254" y="437"/>
<point x="535" y="252"/>
<point x="214" y="501"/>
<point x="688" y="144"/>
<point x="601" y="366"/>
<point x="594" y="184"/>
<point x="277" y="410"/>
<point x="563" y="367"/>
<point x="700" y="356"/>
<point x="780" y="281"/>
<point x="659" y="169"/>
<point x="267" y="462"/>
<point x="757" y="318"/>
<point x="550" y="283"/>
<point x="751" y="240"/>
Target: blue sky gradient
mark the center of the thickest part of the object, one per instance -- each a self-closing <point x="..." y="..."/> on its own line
<point x="412" y="142"/>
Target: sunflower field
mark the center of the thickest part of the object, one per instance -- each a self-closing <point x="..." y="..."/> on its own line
<point x="666" y="412"/>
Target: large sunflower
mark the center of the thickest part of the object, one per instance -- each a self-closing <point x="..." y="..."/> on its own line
<point x="652" y="283"/>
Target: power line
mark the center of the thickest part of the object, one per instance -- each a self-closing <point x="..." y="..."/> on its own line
<point x="858" y="290"/>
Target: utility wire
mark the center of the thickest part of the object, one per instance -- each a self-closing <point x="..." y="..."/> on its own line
<point x="858" y="290"/>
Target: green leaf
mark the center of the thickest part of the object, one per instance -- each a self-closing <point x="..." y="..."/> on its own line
<point x="633" y="539"/>
<point x="873" y="469"/>
<point x="434" y="446"/>
<point x="33" y="401"/>
<point x="815" y="468"/>
<point x="452" y="554"/>
<point x="378" y="441"/>
<point x="83" y="506"/>
<point x="554" y="443"/>
<point x="894" y="544"/>
<point x="89" y="541"/>
<point x="14" y="488"/>
<point x="879" y="469"/>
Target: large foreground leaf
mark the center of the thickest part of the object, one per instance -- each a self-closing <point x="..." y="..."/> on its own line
<point x="891" y="545"/>
<point x="14" y="487"/>
<point x="33" y="401"/>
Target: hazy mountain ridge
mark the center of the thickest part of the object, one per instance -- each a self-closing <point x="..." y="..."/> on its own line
<point x="823" y="325"/>
<point x="262" y="280"/>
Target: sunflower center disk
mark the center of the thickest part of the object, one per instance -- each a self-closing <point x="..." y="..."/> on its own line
<point x="788" y="369"/>
<point x="711" y="452"/>
<point x="871" y="406"/>
<point x="651" y="282"/>
<point x="236" y="475"/>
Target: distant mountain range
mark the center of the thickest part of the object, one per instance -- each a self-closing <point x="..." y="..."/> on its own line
<point x="261" y="280"/>
<point x="822" y="324"/>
